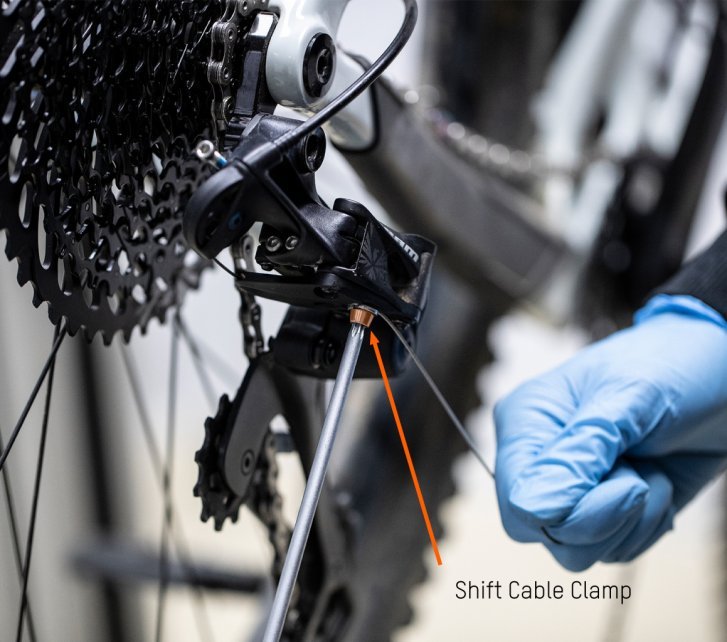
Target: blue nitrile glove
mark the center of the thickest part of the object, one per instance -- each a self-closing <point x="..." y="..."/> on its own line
<point x="595" y="457"/>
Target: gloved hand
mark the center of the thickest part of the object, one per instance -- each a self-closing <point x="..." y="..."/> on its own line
<point x="596" y="457"/>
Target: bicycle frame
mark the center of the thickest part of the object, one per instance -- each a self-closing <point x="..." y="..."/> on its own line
<point x="300" y="21"/>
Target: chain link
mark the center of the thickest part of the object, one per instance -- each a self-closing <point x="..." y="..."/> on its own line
<point x="485" y="153"/>
<point x="267" y="503"/>
<point x="250" y="311"/>
<point x="225" y="33"/>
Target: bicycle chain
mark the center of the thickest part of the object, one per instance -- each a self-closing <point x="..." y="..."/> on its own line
<point x="250" y="315"/>
<point x="267" y="503"/>
<point x="225" y="34"/>
<point x="487" y="154"/>
<point x="264" y="500"/>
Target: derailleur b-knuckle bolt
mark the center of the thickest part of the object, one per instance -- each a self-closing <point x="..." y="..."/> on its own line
<point x="313" y="151"/>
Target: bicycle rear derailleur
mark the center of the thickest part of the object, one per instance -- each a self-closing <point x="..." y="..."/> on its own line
<point x="321" y="261"/>
<point x="325" y="260"/>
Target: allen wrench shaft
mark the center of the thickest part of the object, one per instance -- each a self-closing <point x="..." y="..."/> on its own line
<point x="360" y="319"/>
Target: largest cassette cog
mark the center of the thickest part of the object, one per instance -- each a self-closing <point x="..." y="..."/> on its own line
<point x="101" y="104"/>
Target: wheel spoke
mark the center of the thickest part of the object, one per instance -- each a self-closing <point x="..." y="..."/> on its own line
<point x="179" y="540"/>
<point x="145" y="422"/>
<point x="199" y="364"/>
<point x="213" y="361"/>
<point x="58" y="340"/>
<point x="36" y="489"/>
<point x="167" y="472"/>
<point x="17" y="551"/>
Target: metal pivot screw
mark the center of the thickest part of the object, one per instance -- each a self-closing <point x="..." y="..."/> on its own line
<point x="313" y="151"/>
<point x="318" y="64"/>
<point x="273" y="244"/>
<point x="248" y="459"/>
<point x="207" y="152"/>
<point x="291" y="242"/>
<point x="324" y="354"/>
<point x="227" y="105"/>
<point x="205" y="149"/>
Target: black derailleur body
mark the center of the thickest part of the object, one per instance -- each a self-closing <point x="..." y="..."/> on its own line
<point x="320" y="260"/>
<point x="310" y="342"/>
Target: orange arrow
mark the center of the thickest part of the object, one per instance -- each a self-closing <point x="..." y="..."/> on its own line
<point x="375" y="343"/>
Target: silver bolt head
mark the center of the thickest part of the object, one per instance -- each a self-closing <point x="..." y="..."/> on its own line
<point x="205" y="150"/>
<point x="291" y="242"/>
<point x="273" y="244"/>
